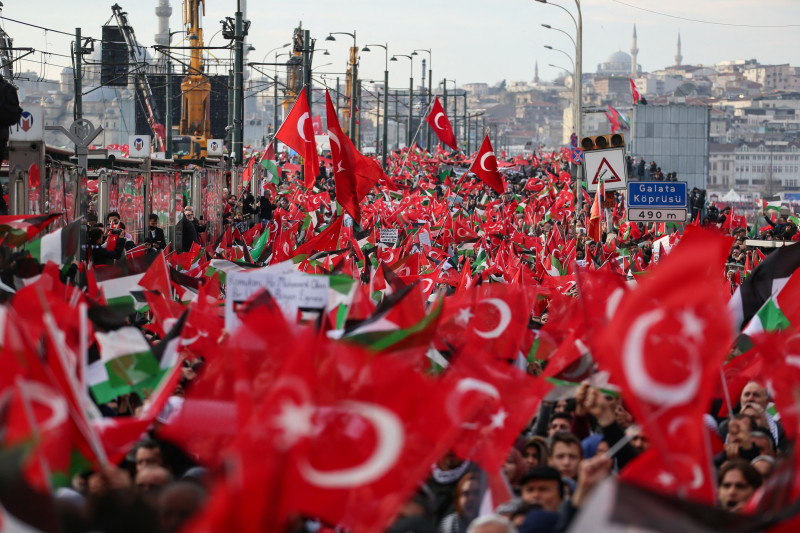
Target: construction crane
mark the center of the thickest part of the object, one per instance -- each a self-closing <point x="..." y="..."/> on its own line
<point x="195" y="126"/>
<point x="140" y="73"/>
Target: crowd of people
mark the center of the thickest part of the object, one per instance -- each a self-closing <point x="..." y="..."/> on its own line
<point x="524" y="248"/>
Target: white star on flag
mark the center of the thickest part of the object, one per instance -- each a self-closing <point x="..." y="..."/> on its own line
<point x="464" y="315"/>
<point x="665" y="479"/>
<point x="692" y="325"/>
<point x="499" y="419"/>
<point x="295" y="421"/>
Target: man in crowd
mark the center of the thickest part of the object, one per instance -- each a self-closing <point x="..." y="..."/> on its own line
<point x="154" y="236"/>
<point x="737" y="481"/>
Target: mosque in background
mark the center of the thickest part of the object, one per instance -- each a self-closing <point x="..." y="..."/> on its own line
<point x="622" y="64"/>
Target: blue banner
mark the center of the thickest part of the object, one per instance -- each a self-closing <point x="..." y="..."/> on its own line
<point x="662" y="194"/>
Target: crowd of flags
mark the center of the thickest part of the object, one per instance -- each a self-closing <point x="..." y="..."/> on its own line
<point x="423" y="347"/>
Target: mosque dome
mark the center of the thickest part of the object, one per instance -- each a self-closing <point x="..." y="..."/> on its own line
<point x="618" y="63"/>
<point x="619" y="57"/>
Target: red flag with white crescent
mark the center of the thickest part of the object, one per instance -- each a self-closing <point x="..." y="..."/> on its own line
<point x="297" y="133"/>
<point x="485" y="167"/>
<point x="440" y="124"/>
<point x="680" y="310"/>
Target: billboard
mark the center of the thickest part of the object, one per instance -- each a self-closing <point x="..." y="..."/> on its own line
<point x="675" y="136"/>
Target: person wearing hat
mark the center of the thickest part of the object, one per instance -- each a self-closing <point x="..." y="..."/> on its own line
<point x="542" y="485"/>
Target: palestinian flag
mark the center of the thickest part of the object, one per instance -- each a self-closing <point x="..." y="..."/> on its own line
<point x="19" y="229"/>
<point x="259" y="246"/>
<point x="60" y="246"/>
<point x="126" y="364"/>
<point x="766" y="281"/>
<point x="779" y="311"/>
<point x="392" y="327"/>
<point x="273" y="173"/>
<point x="771" y="208"/>
<point x="124" y="291"/>
<point x="637" y="97"/>
<point x="617" y="120"/>
<point x="129" y="364"/>
<point x="553" y="266"/>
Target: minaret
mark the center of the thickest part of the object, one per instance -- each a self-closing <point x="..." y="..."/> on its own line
<point x="678" y="56"/>
<point x="536" y="72"/>
<point x="163" y="12"/>
<point x="634" y="53"/>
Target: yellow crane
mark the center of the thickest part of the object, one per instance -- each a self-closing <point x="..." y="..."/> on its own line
<point x="195" y="126"/>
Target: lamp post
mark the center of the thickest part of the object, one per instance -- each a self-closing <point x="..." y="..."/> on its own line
<point x="455" y="104"/>
<point x="571" y="62"/>
<point x="578" y="81"/>
<point x="409" y="133"/>
<point x="385" y="142"/>
<point x="430" y="89"/>
<point x="353" y="82"/>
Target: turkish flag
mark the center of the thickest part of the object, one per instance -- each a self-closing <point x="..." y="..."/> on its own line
<point x="297" y="133"/>
<point x="343" y="165"/>
<point x="664" y="346"/>
<point x="157" y="277"/>
<point x="355" y="434"/>
<point x="485" y="167"/>
<point x="493" y="317"/>
<point x="679" y="475"/>
<point x="595" y="231"/>
<point x="354" y="173"/>
<point x="440" y="124"/>
<point x="492" y="402"/>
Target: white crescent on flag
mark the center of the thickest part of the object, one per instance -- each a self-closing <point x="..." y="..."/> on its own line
<point x="483" y="160"/>
<point x="390" y="437"/>
<point x="641" y="381"/>
<point x="505" y="319"/>
<point x="301" y="126"/>
<point x="465" y="385"/>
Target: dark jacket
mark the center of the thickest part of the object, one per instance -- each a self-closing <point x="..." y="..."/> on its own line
<point x="102" y="256"/>
<point x="265" y="208"/>
<point x="186" y="234"/>
<point x="155" y="236"/>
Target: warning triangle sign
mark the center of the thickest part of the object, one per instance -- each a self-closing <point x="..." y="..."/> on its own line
<point x="606" y="173"/>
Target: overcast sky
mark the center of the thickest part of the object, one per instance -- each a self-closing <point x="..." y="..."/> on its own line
<point x="471" y="40"/>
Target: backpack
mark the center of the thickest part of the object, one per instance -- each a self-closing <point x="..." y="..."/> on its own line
<point x="10" y="111"/>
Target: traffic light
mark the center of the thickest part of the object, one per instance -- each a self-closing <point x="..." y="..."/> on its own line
<point x="601" y="142"/>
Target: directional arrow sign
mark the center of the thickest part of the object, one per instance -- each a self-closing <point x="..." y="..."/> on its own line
<point x="607" y="166"/>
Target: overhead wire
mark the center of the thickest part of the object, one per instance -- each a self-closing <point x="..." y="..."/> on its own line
<point x="712" y="22"/>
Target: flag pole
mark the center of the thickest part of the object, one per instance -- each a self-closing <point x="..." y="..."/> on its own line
<point x="416" y="133"/>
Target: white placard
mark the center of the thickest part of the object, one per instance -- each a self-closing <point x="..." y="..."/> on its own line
<point x="30" y="126"/>
<point x="291" y="290"/>
<point x="214" y="147"/>
<point x="608" y="165"/>
<point x="139" y="146"/>
<point x="425" y="238"/>
<point x="389" y="235"/>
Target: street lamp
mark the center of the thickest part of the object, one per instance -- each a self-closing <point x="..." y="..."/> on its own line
<point x="275" y="100"/>
<point x="549" y="27"/>
<point x="353" y="81"/>
<point x="385" y="47"/>
<point x="274" y="49"/>
<point x="455" y="104"/>
<point x="578" y="82"/>
<point x="563" y="52"/>
<point x="409" y="133"/>
<point x="430" y="89"/>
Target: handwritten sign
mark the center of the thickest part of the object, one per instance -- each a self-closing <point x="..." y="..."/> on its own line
<point x="389" y="235"/>
<point x="293" y="291"/>
<point x="425" y="238"/>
